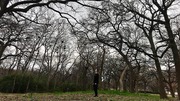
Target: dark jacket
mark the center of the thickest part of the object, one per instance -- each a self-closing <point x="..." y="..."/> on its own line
<point x="96" y="78"/>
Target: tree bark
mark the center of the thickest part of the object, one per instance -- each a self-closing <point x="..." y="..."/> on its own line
<point x="171" y="90"/>
<point x="160" y="80"/>
<point x="174" y="49"/>
<point x="149" y="34"/>
<point x="121" y="88"/>
<point x="132" y="77"/>
<point x="101" y="67"/>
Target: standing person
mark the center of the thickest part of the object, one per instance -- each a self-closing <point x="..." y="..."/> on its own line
<point x="95" y="83"/>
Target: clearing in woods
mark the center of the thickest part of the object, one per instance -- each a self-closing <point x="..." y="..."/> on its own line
<point x="81" y="96"/>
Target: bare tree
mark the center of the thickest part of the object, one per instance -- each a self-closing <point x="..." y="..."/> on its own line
<point x="92" y="55"/>
<point x="169" y="73"/>
<point x="148" y="31"/>
<point x="8" y="6"/>
<point x="163" y="20"/>
<point x="106" y="26"/>
<point x="11" y="32"/>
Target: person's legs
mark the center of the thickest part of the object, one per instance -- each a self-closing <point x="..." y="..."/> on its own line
<point x="96" y="90"/>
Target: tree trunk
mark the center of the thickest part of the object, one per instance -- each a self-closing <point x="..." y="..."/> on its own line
<point x="55" y="83"/>
<point x="2" y="49"/>
<point x="14" y="83"/>
<point x="171" y="90"/>
<point x="121" y="88"/>
<point x="84" y="78"/>
<point x="174" y="49"/>
<point x="145" y="86"/>
<point x="101" y="67"/>
<point x="48" y="81"/>
<point x="161" y="85"/>
<point x="160" y="80"/>
<point x="131" y="77"/>
<point x="27" y="86"/>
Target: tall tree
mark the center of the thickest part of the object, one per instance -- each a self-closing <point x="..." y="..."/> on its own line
<point x="105" y="26"/>
<point x="163" y="19"/>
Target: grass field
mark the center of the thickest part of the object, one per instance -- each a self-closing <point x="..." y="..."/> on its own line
<point x="81" y="96"/>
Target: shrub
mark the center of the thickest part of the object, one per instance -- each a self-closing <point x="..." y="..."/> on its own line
<point x="68" y="87"/>
<point x="21" y="83"/>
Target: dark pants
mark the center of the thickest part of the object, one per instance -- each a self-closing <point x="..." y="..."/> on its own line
<point x="95" y="89"/>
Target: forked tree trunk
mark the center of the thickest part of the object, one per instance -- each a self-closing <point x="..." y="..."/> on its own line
<point x="131" y="75"/>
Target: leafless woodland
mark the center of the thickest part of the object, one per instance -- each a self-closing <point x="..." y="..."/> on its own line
<point x="56" y="45"/>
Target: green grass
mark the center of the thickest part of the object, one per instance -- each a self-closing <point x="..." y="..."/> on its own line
<point x="109" y="92"/>
<point x="114" y="95"/>
<point x="116" y="92"/>
<point x="110" y="95"/>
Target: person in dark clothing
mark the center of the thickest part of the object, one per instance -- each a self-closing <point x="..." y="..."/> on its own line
<point x="95" y="83"/>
